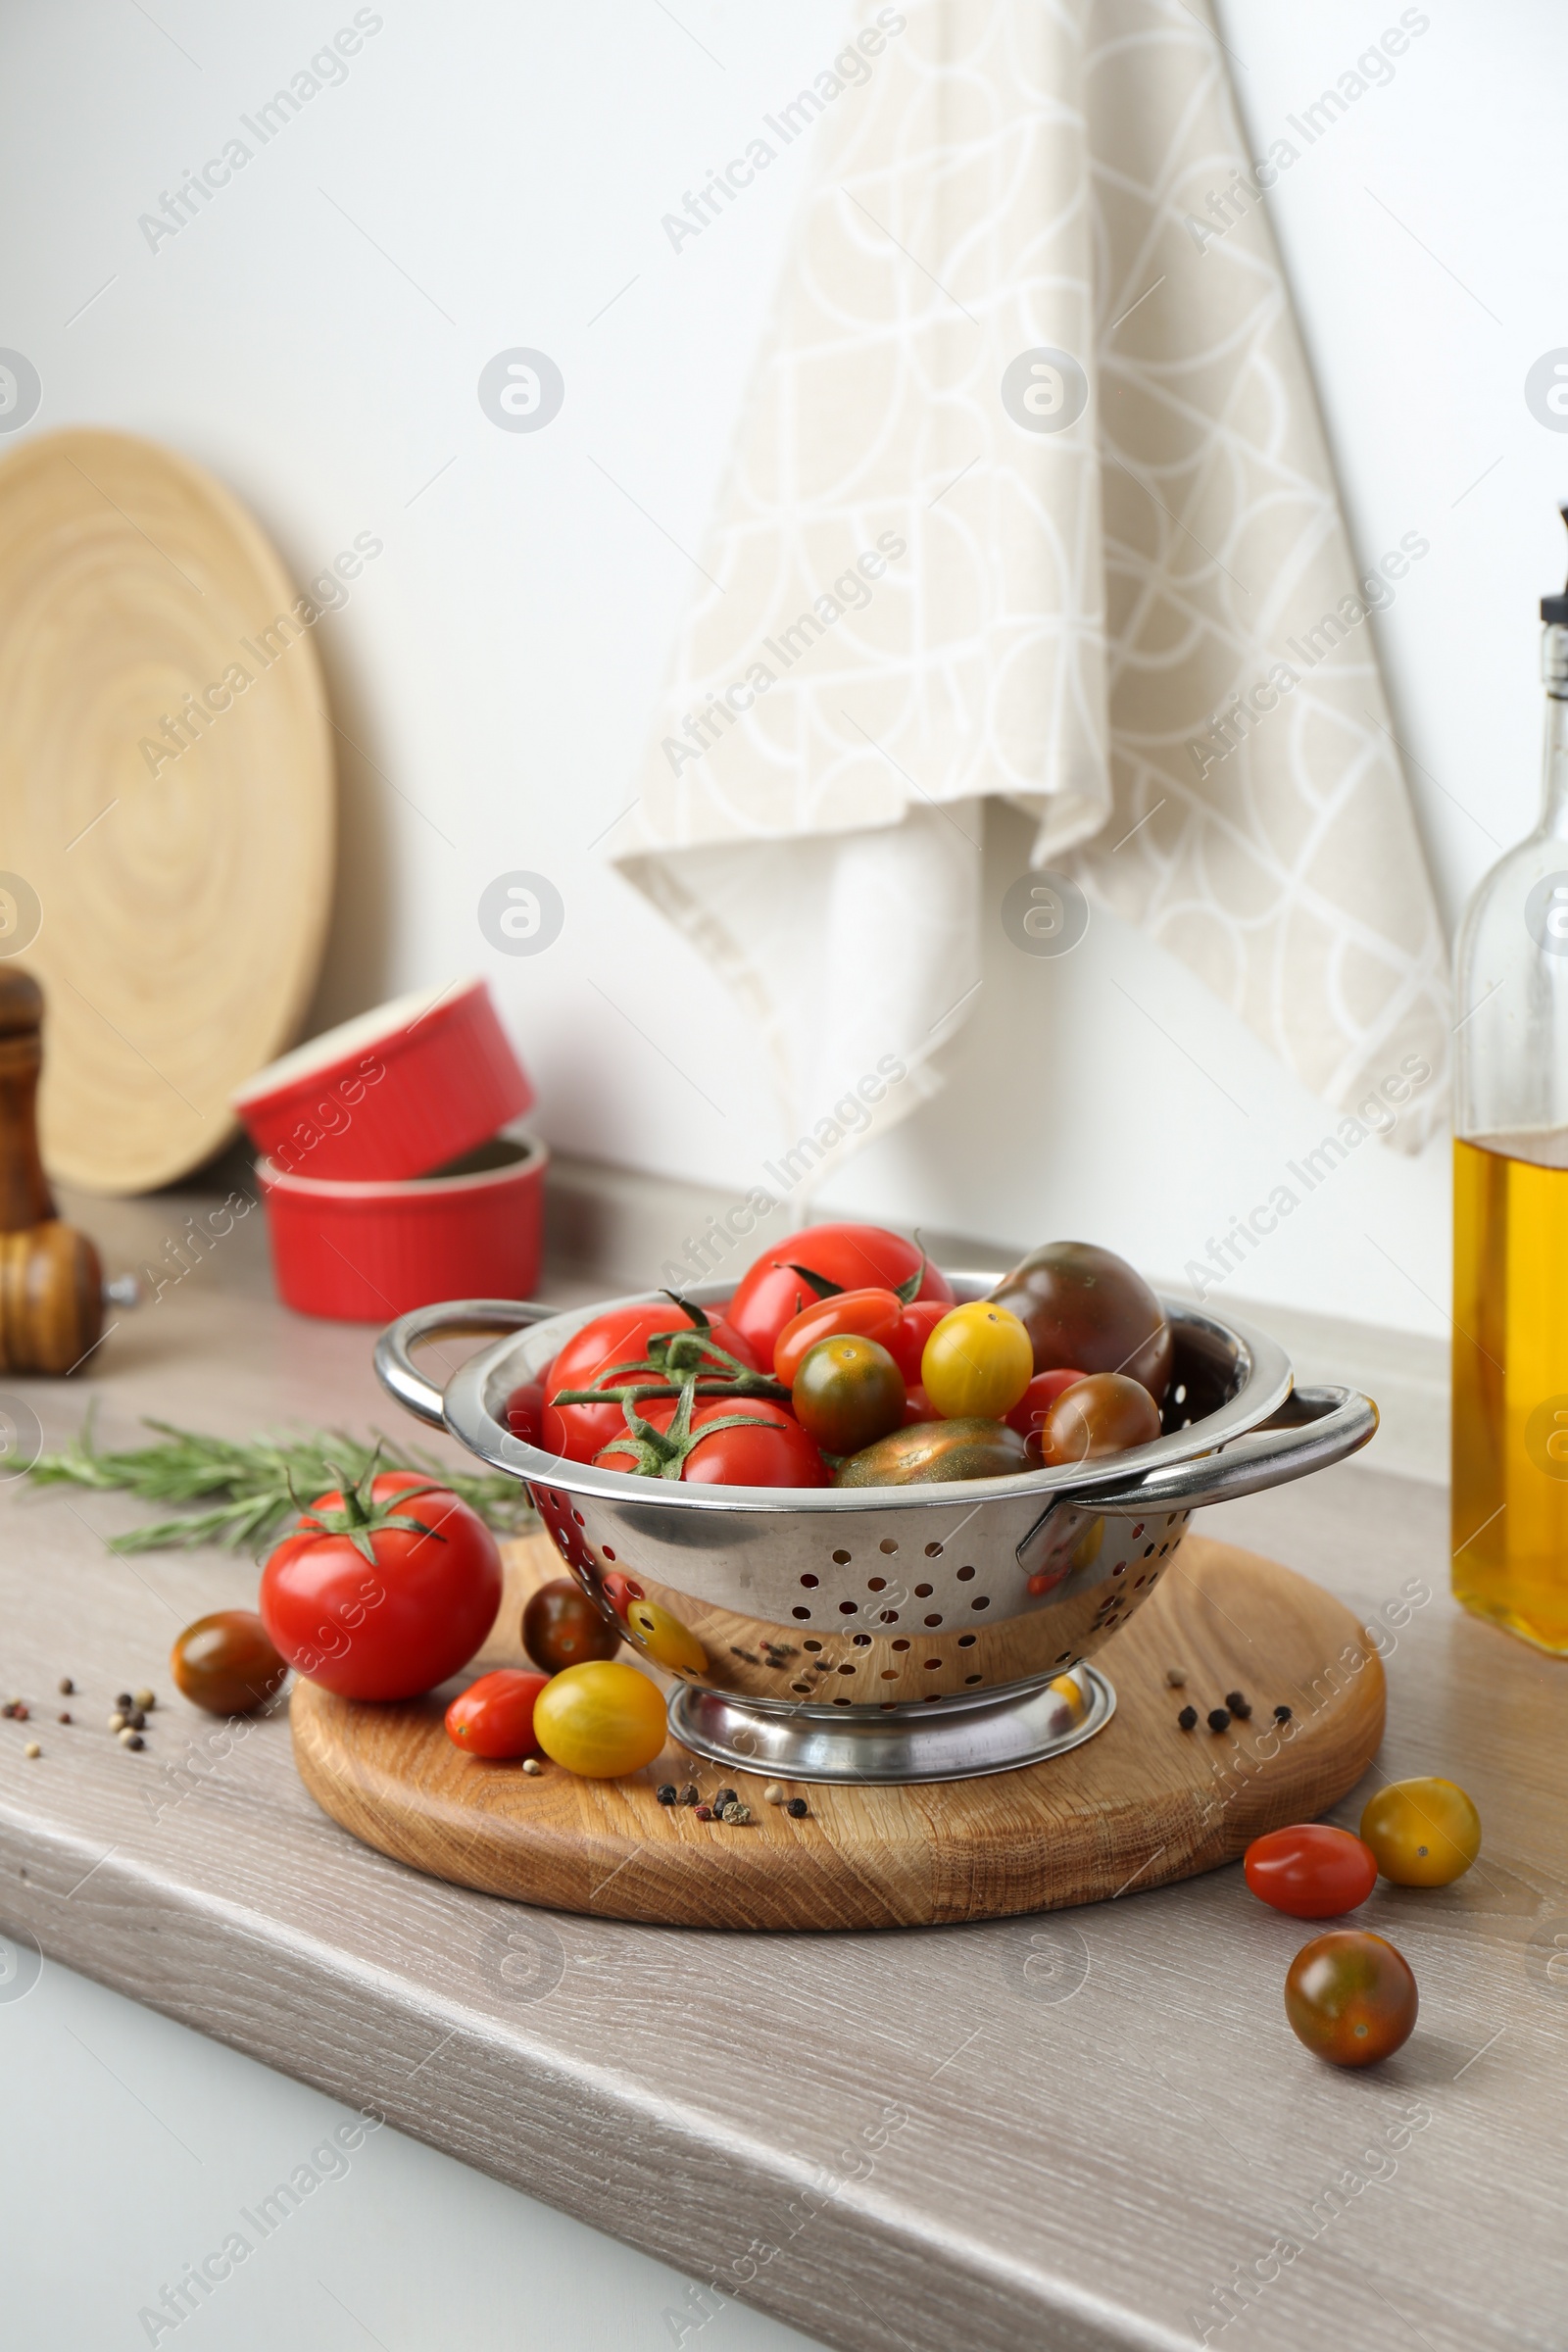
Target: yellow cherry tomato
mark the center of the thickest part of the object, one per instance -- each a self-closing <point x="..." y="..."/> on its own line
<point x="1424" y="1832"/>
<point x="600" y="1718"/>
<point x="665" y="1639"/>
<point x="977" y="1362"/>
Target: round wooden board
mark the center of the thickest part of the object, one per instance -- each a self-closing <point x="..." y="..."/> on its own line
<point x="179" y="880"/>
<point x="1140" y="1804"/>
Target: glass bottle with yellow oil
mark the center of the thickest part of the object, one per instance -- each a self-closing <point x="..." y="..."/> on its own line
<point x="1511" y="1213"/>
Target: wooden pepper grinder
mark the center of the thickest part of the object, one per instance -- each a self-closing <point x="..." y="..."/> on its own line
<point x="51" y="1280"/>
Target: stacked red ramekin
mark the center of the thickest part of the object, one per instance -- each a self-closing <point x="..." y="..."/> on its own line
<point x="389" y="1172"/>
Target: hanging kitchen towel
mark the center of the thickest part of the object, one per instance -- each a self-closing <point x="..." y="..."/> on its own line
<point x="1032" y="498"/>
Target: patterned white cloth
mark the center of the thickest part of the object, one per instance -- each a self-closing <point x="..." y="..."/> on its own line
<point x="1113" y="585"/>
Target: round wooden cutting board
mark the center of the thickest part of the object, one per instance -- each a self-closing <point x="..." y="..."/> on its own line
<point x="166" y="799"/>
<point x="1138" y="1805"/>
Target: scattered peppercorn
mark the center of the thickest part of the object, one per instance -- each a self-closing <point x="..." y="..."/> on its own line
<point x="1175" y="1678"/>
<point x="147" y="1699"/>
<point x="736" y="1814"/>
<point x="20" y="1711"/>
<point x="532" y="1766"/>
<point x="116" y="1721"/>
<point x="688" y="1795"/>
<point x="705" y="1812"/>
<point x="1218" y="1719"/>
<point x="666" y="1794"/>
<point x="1282" y="1714"/>
<point x="137" y="1720"/>
<point x="796" y="1808"/>
<point x="1188" y="1719"/>
<point x="32" y="1748"/>
<point x="725" y="1797"/>
<point x="123" y="1699"/>
<point x="67" y="1685"/>
<point x="131" y="1739"/>
<point x="64" y="1716"/>
<point x="773" y="1793"/>
<point x="1239" y="1704"/>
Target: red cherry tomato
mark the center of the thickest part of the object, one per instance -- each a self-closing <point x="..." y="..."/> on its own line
<point x="396" y="1627"/>
<point x="771" y="1448"/>
<point x="1033" y="1408"/>
<point x="1350" y="1997"/>
<point x="494" y="1717"/>
<point x="856" y="1257"/>
<point x="1311" y="1871"/>
<point x="525" y="1412"/>
<point x="917" y="1407"/>
<point x="621" y="1337"/>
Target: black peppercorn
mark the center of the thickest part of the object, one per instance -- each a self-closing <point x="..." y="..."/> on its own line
<point x="1188" y="1719"/>
<point x="796" y="1808"/>
<point x="135" y="1740"/>
<point x="667" y="1793"/>
<point x="125" y="1702"/>
<point x="1218" y="1719"/>
<point x="137" y="1720"/>
<point x="688" y="1795"/>
<point x="725" y="1797"/>
<point x="1239" y="1704"/>
<point x="1282" y="1714"/>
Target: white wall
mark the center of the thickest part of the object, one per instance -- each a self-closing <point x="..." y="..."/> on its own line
<point x="498" y="664"/>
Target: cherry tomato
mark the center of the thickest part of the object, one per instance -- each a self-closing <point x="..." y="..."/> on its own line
<point x="934" y="1451"/>
<point x="855" y="1258"/>
<point x="848" y="1392"/>
<point x="494" y="1717"/>
<point x="977" y="1362"/>
<point x="765" y="1447"/>
<point x="1423" y="1833"/>
<point x="917" y="1407"/>
<point x="396" y="1626"/>
<point x="1311" y="1871"/>
<point x="526" y="1413"/>
<point x="562" y="1627"/>
<point x="226" y="1664"/>
<point x="879" y="1315"/>
<point x="620" y="1337"/>
<point x="600" y="1720"/>
<point x="1028" y="1416"/>
<point x="1350" y="1997"/>
<point x="1087" y="1307"/>
<point x="1105" y="1412"/>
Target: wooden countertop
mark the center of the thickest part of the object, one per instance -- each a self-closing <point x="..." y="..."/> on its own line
<point x="1071" y="2130"/>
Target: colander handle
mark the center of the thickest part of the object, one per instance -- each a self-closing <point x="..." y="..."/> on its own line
<point x="400" y="1376"/>
<point x="1326" y="1424"/>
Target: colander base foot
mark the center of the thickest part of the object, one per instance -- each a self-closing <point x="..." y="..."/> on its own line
<point x="951" y="1740"/>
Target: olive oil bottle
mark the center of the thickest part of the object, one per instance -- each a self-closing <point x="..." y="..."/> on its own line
<point x="1511" y="1213"/>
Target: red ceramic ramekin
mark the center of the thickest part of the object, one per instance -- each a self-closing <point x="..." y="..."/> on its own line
<point x="363" y="1252"/>
<point x="392" y="1092"/>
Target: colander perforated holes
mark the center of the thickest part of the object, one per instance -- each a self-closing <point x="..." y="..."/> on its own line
<point x="933" y="1551"/>
<point x="965" y="1576"/>
<point x="889" y="1674"/>
<point x="1149" y="1551"/>
<point x="889" y="1616"/>
<point x="861" y="1640"/>
<point x="923" y="1592"/>
<point x="810" y="1579"/>
<point x="800" y="1612"/>
<point x="609" y="1555"/>
<point x="811" y="1645"/>
<point x="888" y="1546"/>
<point x="842" y="1558"/>
<point x="848" y="1608"/>
<point x="876" y="1584"/>
<point x="933" y="1665"/>
<point x="804" y="1688"/>
<point x="934" y="1620"/>
<point x="981" y="1600"/>
<point x="578" y="1515"/>
<point x="967" y="1641"/>
<point x="974" y="1677"/>
<point x="900" y="1643"/>
<point x="848" y="1668"/>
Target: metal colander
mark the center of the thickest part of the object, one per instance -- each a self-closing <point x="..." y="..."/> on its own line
<point x="898" y="1634"/>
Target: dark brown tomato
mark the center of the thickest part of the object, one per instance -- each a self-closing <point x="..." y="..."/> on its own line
<point x="226" y="1664"/>
<point x="848" y="1392"/>
<point x="1350" y="1997"/>
<point x="1088" y="1308"/>
<point x="930" y="1452"/>
<point x="1103" y="1413"/>
<point x="561" y="1627"/>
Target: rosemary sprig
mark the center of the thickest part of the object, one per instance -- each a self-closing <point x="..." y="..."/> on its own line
<point x="257" y="1485"/>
